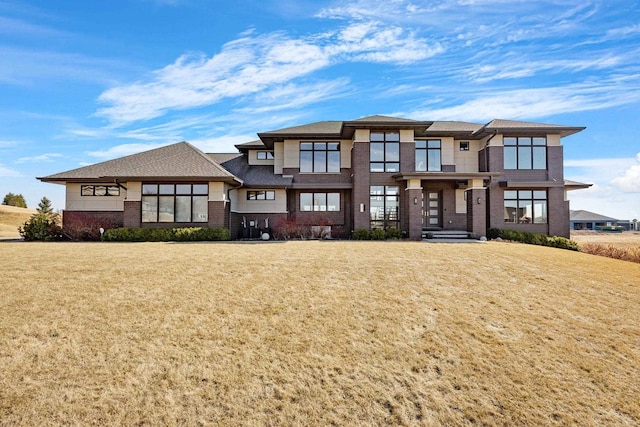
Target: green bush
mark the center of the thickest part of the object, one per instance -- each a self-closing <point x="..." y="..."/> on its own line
<point x="377" y="234"/>
<point x="361" y="234"/>
<point x="393" y="233"/>
<point x="532" y="238"/>
<point x="42" y="226"/>
<point x="190" y="234"/>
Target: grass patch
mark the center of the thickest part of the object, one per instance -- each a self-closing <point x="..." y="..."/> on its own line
<point x="11" y="218"/>
<point x="317" y="333"/>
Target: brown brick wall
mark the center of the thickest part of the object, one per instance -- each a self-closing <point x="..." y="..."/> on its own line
<point x="477" y="212"/>
<point x="132" y="213"/>
<point x="413" y="214"/>
<point x="361" y="182"/>
<point x="344" y="177"/>
<point x="217" y="212"/>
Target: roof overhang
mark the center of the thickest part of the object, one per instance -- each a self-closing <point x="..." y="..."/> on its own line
<point x="563" y="131"/>
<point x="449" y="176"/>
<point x="120" y="179"/>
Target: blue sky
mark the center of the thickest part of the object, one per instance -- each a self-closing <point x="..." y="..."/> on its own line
<point x="87" y="81"/>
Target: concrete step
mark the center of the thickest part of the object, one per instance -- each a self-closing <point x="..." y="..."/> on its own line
<point x="446" y="234"/>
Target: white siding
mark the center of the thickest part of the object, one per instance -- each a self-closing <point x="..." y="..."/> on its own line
<point x="75" y="201"/>
<point x="240" y="204"/>
<point x="466" y="161"/>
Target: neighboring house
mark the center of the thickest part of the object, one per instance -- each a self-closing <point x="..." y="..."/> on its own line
<point x="585" y="220"/>
<point x="373" y="172"/>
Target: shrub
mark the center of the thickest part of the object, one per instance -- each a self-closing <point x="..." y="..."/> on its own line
<point x="16" y="200"/>
<point x="42" y="226"/>
<point x="361" y="234"/>
<point x="393" y="233"/>
<point x="189" y="234"/>
<point x="86" y="229"/>
<point x="377" y="234"/>
<point x="631" y="254"/>
<point x="532" y="238"/>
<point x="289" y="229"/>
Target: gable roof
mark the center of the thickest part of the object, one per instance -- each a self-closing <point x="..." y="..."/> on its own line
<point x="384" y="119"/>
<point x="181" y="161"/>
<point x="582" y="215"/>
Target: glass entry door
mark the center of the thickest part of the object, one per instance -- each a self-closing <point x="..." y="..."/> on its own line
<point x="433" y="209"/>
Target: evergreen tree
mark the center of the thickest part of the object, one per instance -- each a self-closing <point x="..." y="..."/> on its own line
<point x="14" y="200"/>
<point x="44" y="207"/>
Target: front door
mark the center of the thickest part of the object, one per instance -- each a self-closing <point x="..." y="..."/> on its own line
<point x="433" y="209"/>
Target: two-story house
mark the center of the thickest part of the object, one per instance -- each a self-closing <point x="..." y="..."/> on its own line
<point x="373" y="172"/>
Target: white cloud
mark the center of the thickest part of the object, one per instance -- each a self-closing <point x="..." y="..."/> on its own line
<point x="629" y="182"/>
<point x="252" y="64"/>
<point x="46" y="157"/>
<point x="606" y="200"/>
<point x="8" y="172"/>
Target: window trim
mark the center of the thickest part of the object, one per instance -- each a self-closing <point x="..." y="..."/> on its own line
<point x="388" y="191"/>
<point x="253" y="195"/>
<point x="161" y="192"/>
<point x="326" y="205"/>
<point x="427" y="150"/>
<point x="326" y="152"/>
<point x="384" y="141"/>
<point x="524" y="147"/>
<point x="524" y="198"/>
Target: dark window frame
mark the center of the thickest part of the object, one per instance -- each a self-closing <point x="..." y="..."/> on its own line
<point x="388" y="140"/>
<point x="428" y="150"/>
<point x="261" y="195"/>
<point x="109" y="190"/>
<point x="385" y="194"/>
<point x="326" y="205"/>
<point x="331" y="165"/>
<point x="163" y="191"/>
<point x="464" y="145"/>
<point x="264" y="155"/>
<point x="524" y="149"/>
<point x="521" y="197"/>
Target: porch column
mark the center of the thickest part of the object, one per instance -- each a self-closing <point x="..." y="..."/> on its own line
<point x="414" y="208"/>
<point x="476" y="208"/>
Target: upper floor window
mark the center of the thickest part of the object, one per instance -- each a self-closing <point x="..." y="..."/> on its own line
<point x="261" y="195"/>
<point x="525" y="206"/>
<point x="428" y="155"/>
<point x="265" y="155"/>
<point x="175" y="202"/>
<point x="320" y="157"/>
<point x="525" y="152"/>
<point x="384" y="152"/>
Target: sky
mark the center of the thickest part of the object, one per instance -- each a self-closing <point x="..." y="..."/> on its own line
<point x="86" y="81"/>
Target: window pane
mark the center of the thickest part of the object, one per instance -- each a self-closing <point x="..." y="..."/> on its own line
<point x="540" y="194"/>
<point x="421" y="160"/>
<point x="165" y="209"/>
<point x="260" y="195"/>
<point x="509" y="141"/>
<point x="510" y="211"/>
<point x="87" y="190"/>
<point x="510" y="161"/>
<point x="306" y="161"/>
<point x="320" y="161"/>
<point x="524" y="194"/>
<point x="183" y="189"/>
<point x="306" y="146"/>
<point x="540" y="212"/>
<point x="320" y="146"/>
<point x="510" y="194"/>
<point x="377" y="167"/>
<point x="113" y="190"/>
<point x="166" y="189"/>
<point x="434" y="143"/>
<point x="306" y="201"/>
<point x="434" y="161"/>
<point x="539" y="157"/>
<point x="269" y="155"/>
<point x="540" y="141"/>
<point x="271" y="195"/>
<point x="392" y="152"/>
<point x="392" y="136"/>
<point x="100" y="190"/>
<point x="149" y="209"/>
<point x="200" y="188"/>
<point x="149" y="189"/>
<point x="183" y="208"/>
<point x="377" y="190"/>
<point x="376" y="208"/>
<point x="376" y="136"/>
<point x="524" y="141"/>
<point x="333" y="146"/>
<point x="392" y="190"/>
<point x="320" y="202"/>
<point x="334" y="161"/>
<point x="376" y="151"/>
<point x="333" y="202"/>
<point x="524" y="158"/>
<point x="421" y="144"/>
<point x="525" y="211"/>
<point x="200" y="209"/>
<point x="392" y="167"/>
<point x="262" y="155"/>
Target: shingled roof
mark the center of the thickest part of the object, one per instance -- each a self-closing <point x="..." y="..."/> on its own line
<point x="260" y="176"/>
<point x="181" y="161"/>
<point x="582" y="215"/>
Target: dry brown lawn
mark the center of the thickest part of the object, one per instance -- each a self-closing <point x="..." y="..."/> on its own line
<point x="317" y="333"/>
<point x="622" y="240"/>
<point x="11" y="218"/>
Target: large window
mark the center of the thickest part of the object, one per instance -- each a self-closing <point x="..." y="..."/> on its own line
<point x="384" y="152"/>
<point x="384" y="206"/>
<point x="428" y="155"/>
<point x="320" y="157"/>
<point x="319" y="202"/>
<point x="175" y="202"/>
<point x="525" y="152"/>
<point x="525" y="206"/>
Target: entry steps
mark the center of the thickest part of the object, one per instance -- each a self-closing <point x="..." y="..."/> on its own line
<point x="445" y="234"/>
